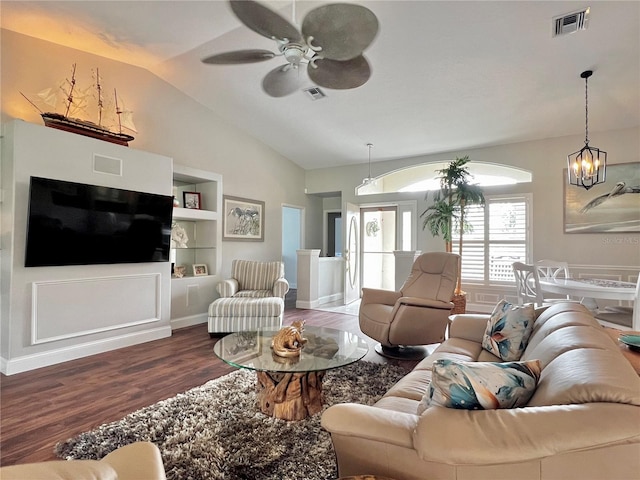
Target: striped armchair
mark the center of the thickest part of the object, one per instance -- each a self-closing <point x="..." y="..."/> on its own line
<point x="252" y="298"/>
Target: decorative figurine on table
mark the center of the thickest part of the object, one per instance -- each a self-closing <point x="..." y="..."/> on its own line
<point x="288" y="342"/>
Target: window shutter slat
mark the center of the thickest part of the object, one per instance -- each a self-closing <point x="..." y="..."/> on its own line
<point x="498" y="238"/>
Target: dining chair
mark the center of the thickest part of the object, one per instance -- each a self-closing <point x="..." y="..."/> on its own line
<point x="624" y="316"/>
<point x="528" y="285"/>
<point x="553" y="270"/>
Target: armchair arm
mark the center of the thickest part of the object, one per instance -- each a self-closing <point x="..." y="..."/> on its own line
<point x="228" y="287"/>
<point x="280" y="287"/>
<point x="425" y="302"/>
<point x="375" y="295"/>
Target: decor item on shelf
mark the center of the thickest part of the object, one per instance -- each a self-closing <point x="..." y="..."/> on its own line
<point x="176" y="202"/>
<point x="179" y="271"/>
<point x="108" y="127"/>
<point x="288" y="342"/>
<point x="243" y="219"/>
<point x="447" y="214"/>
<point x="588" y="166"/>
<point x="179" y="236"/>
<point x="606" y="209"/>
<point x="200" y="270"/>
<point x="192" y="200"/>
<point x="330" y="42"/>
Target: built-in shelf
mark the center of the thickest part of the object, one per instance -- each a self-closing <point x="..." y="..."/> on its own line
<point x="191" y="295"/>
<point x="180" y="213"/>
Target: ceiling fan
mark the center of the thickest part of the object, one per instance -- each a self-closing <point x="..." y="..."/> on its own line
<point x="330" y="42"/>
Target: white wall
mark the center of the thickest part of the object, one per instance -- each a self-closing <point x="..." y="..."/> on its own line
<point x="615" y="254"/>
<point x="169" y="123"/>
<point x="53" y="314"/>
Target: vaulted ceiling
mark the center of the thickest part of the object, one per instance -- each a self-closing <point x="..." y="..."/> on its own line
<point x="447" y="75"/>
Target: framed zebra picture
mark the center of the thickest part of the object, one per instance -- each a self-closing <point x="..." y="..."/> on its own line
<point x="243" y="219"/>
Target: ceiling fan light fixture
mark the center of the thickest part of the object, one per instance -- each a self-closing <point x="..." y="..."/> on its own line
<point x="294" y="53"/>
<point x="335" y="34"/>
<point x="588" y="166"/>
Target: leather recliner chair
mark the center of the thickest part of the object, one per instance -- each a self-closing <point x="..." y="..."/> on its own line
<point x="418" y="314"/>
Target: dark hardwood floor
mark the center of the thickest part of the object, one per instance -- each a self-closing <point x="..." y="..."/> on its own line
<point x="44" y="406"/>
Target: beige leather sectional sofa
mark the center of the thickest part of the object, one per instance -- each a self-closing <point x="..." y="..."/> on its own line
<point x="136" y="461"/>
<point x="582" y="422"/>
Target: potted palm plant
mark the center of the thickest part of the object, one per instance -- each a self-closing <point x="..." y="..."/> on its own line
<point x="447" y="214"/>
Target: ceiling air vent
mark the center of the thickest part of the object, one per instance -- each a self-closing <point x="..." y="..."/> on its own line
<point x="571" y="22"/>
<point x="315" y="93"/>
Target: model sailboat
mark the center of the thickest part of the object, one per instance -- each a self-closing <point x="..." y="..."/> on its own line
<point x="76" y="102"/>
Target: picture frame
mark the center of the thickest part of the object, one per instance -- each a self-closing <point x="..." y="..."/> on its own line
<point x="243" y="219"/>
<point x="609" y="207"/>
<point x="192" y="200"/>
<point x="200" y="270"/>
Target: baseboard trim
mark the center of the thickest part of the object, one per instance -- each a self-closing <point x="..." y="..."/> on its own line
<point x="189" y="321"/>
<point x="307" y="305"/>
<point x="53" y="357"/>
<point x="336" y="297"/>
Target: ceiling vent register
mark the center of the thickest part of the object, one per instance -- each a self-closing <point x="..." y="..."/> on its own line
<point x="571" y="22"/>
<point x="315" y="93"/>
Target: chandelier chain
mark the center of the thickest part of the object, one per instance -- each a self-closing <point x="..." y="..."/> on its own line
<point x="586" y="112"/>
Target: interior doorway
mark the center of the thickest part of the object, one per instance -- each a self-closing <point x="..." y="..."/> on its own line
<point x="334" y="234"/>
<point x="292" y="241"/>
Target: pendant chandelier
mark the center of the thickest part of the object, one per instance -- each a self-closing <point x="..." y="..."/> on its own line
<point x="588" y="166"/>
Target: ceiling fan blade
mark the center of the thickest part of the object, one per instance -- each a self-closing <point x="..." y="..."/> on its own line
<point x="340" y="75"/>
<point x="282" y="81"/>
<point x="264" y="21"/>
<point x="343" y="30"/>
<point x="239" y="56"/>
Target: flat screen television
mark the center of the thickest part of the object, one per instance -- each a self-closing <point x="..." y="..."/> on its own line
<point x="78" y="224"/>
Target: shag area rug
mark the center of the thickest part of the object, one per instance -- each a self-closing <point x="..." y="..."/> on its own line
<point x="216" y="431"/>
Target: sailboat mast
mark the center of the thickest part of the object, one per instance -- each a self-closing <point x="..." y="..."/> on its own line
<point x="70" y="94"/>
<point x="118" y="111"/>
<point x="99" y="89"/>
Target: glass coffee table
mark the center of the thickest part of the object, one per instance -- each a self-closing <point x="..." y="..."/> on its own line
<point x="291" y="388"/>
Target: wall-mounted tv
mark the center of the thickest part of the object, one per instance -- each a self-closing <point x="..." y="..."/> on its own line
<point x="78" y="224"/>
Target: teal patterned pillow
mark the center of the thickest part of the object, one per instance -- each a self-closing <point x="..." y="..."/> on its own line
<point x="508" y="330"/>
<point x="481" y="385"/>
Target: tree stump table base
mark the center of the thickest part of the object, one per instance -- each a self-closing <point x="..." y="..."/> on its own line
<point x="290" y="396"/>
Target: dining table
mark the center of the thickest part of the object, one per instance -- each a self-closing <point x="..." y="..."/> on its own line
<point x="590" y="289"/>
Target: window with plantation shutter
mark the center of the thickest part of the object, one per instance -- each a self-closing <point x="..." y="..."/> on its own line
<point x="500" y="235"/>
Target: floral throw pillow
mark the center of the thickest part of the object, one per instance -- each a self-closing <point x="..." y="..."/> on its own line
<point x="508" y="330"/>
<point x="481" y="385"/>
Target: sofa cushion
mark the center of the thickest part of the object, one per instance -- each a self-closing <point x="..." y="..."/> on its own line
<point x="587" y="375"/>
<point x="508" y="330"/>
<point x="481" y="385"/>
<point x="562" y="340"/>
<point x="413" y="385"/>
